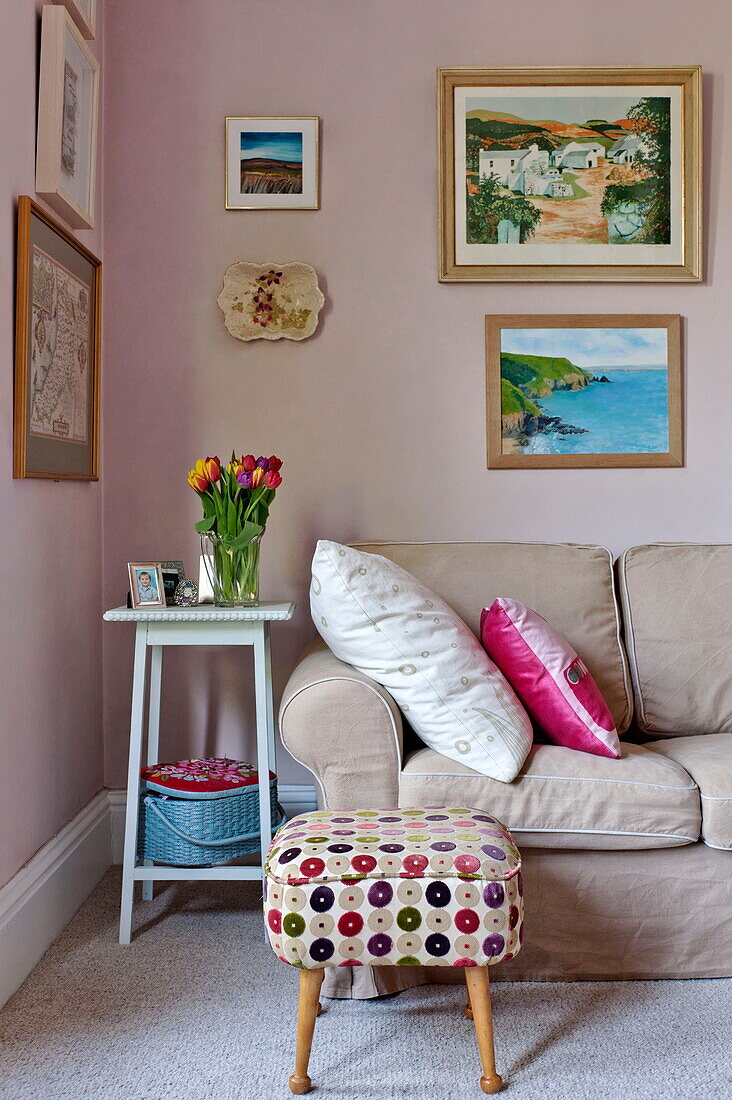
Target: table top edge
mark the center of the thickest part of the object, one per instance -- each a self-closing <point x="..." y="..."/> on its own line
<point x="203" y="613"/>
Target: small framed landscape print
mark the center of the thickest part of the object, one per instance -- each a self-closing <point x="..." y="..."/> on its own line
<point x="57" y="338"/>
<point x="84" y="14"/>
<point x="147" y="587"/>
<point x="579" y="391"/>
<point x="272" y="163"/>
<point x="173" y="574"/>
<point x="576" y="175"/>
<point x="68" y="102"/>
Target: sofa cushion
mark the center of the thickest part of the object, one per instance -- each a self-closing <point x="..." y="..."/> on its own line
<point x="549" y="677"/>
<point x="568" y="799"/>
<point x="708" y="760"/>
<point x="571" y="586"/>
<point x="387" y="624"/>
<point x="677" y="604"/>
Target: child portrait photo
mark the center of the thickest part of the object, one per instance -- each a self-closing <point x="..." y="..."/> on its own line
<point x="147" y="589"/>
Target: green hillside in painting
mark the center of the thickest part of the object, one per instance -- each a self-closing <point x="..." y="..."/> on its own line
<point x="540" y="375"/>
<point x="514" y="401"/>
<point x="496" y="130"/>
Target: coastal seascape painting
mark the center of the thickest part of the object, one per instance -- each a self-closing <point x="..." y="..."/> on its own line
<point x="569" y="173"/>
<point x="583" y="391"/>
<point x="272" y="163"/>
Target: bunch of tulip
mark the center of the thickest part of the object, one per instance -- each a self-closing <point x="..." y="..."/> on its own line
<point x="236" y="498"/>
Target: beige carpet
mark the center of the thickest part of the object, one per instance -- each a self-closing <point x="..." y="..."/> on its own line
<point x="198" y="1008"/>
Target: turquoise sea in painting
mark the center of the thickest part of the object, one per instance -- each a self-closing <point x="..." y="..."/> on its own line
<point x="628" y="414"/>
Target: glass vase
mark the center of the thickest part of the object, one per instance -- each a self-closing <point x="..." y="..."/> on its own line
<point x="233" y="571"/>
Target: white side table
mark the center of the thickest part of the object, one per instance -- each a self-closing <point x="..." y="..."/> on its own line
<point x="203" y="625"/>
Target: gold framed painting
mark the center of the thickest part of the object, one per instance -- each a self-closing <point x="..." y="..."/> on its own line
<point x="583" y="390"/>
<point x="570" y="175"/>
<point x="57" y="347"/>
<point x="272" y="163"/>
<point x="68" y="106"/>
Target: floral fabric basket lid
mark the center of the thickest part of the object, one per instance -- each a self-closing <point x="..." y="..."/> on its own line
<point x="211" y="777"/>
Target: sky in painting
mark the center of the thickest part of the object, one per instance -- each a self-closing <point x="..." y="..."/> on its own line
<point x="533" y="108"/>
<point x="272" y="146"/>
<point x="591" y="347"/>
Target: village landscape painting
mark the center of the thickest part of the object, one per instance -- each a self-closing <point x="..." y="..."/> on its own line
<point x="588" y="169"/>
<point x="272" y="163"/>
<point x="583" y="174"/>
<point x="583" y="391"/>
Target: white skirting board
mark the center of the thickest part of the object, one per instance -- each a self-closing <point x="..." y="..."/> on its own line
<point x="40" y="900"/>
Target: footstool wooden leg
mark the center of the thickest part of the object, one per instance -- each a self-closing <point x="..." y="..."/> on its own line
<point x="308" y="1010"/>
<point x="480" y="999"/>
<point x="468" y="1009"/>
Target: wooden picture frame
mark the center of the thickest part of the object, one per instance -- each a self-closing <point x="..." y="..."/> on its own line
<point x="285" y="157"/>
<point x="68" y="108"/>
<point x="551" y="212"/>
<point x="84" y="14"/>
<point x="57" y="350"/>
<point x="529" y="394"/>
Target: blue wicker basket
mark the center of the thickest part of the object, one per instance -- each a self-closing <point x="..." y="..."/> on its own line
<point x="198" y="832"/>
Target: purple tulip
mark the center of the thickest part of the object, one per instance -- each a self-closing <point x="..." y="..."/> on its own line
<point x="244" y="478"/>
<point x="264" y="463"/>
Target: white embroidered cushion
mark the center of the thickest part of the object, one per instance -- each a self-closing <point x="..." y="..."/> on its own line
<point x="383" y="621"/>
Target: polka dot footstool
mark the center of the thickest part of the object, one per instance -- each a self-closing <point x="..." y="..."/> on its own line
<point x="408" y="887"/>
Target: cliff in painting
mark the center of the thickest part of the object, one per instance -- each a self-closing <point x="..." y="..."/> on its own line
<point x="613" y="401"/>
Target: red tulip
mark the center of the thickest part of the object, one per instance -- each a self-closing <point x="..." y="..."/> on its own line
<point x="198" y="481"/>
<point x="275" y="463"/>
<point x="272" y="479"/>
<point x="249" y="463"/>
<point x="212" y="468"/>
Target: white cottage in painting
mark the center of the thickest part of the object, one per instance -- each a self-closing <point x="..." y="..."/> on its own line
<point x="578" y="154"/>
<point x="522" y="170"/>
<point x="626" y="150"/>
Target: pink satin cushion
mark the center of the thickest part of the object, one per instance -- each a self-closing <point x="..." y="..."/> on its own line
<point x="549" y="678"/>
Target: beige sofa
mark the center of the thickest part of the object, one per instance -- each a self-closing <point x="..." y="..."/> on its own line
<point x="628" y="863"/>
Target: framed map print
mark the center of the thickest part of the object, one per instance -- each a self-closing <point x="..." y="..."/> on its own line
<point x="68" y="103"/>
<point x="570" y="175"/>
<point x="58" y="299"/>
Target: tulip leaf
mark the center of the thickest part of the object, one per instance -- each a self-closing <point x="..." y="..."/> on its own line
<point x="248" y="532"/>
<point x="205" y="524"/>
<point x="231" y="515"/>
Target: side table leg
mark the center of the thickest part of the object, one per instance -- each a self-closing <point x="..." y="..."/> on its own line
<point x="133" y="784"/>
<point x="271" y="729"/>
<point x="263" y="699"/>
<point x="153" y="735"/>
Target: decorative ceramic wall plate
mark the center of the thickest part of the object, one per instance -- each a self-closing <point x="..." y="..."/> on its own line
<point x="268" y="301"/>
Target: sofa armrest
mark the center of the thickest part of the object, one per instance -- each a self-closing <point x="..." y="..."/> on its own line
<point x="344" y="728"/>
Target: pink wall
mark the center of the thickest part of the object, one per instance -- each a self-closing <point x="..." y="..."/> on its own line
<point x="380" y="416"/>
<point x="50" y="545"/>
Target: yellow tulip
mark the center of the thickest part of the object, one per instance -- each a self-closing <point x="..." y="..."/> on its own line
<point x="198" y="481"/>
